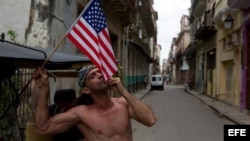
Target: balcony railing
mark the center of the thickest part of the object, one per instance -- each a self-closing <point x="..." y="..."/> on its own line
<point x="146" y="12"/>
<point x="206" y="26"/>
<point x="143" y="43"/>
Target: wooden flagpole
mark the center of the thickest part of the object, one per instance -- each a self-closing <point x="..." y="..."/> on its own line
<point x="54" y="50"/>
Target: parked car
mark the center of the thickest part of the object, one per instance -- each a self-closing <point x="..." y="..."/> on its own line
<point x="157" y="82"/>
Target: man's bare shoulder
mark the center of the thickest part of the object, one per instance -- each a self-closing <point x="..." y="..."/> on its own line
<point x="76" y="109"/>
<point x="80" y="111"/>
<point x="120" y="100"/>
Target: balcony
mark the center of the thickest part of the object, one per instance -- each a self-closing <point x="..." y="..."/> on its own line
<point x="197" y="7"/>
<point x="146" y="11"/>
<point x="123" y="9"/>
<point x="143" y="42"/>
<point x="205" y="27"/>
<point x="238" y="4"/>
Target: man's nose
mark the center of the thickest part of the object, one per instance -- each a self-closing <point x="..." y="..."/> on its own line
<point x="99" y="73"/>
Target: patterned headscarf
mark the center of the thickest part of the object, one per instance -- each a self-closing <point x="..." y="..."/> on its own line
<point x="83" y="73"/>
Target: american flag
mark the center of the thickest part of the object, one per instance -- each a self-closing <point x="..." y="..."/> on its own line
<point x="90" y="34"/>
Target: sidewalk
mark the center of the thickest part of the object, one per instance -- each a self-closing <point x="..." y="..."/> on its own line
<point x="141" y="93"/>
<point x="229" y="112"/>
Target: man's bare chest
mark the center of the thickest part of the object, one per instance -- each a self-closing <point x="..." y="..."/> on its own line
<point x="114" y="121"/>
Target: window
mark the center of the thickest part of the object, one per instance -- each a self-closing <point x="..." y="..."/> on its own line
<point x="224" y="45"/>
<point x="229" y="39"/>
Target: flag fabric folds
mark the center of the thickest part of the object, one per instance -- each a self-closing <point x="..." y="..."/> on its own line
<point x="90" y="34"/>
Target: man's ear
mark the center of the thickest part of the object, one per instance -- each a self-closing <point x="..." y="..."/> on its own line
<point x="85" y="90"/>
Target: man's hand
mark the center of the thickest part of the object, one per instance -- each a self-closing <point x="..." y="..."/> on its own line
<point x="41" y="78"/>
<point x="137" y="109"/>
<point x="116" y="82"/>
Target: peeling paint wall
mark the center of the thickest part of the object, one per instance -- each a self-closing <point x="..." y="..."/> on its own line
<point x="40" y="23"/>
<point x="37" y="35"/>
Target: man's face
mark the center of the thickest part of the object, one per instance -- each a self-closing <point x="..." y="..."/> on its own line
<point x="95" y="80"/>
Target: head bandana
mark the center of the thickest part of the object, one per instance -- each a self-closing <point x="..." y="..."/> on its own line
<point x="83" y="73"/>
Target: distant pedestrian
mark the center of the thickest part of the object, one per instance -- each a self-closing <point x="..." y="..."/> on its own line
<point x="145" y="81"/>
<point x="167" y="80"/>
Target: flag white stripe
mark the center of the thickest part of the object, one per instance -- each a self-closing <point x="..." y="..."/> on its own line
<point x="92" y="42"/>
<point x="83" y="45"/>
<point x="110" y="61"/>
<point x="102" y="50"/>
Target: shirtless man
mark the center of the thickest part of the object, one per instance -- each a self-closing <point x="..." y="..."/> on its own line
<point x="106" y="119"/>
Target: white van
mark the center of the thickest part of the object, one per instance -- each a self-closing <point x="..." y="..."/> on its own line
<point x="157" y="82"/>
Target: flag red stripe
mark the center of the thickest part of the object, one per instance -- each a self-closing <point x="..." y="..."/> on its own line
<point x="84" y="39"/>
<point x="107" y="62"/>
<point x="83" y="50"/>
<point x="79" y="40"/>
<point x="89" y="33"/>
<point x="111" y="54"/>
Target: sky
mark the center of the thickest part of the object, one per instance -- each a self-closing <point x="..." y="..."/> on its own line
<point x="168" y="24"/>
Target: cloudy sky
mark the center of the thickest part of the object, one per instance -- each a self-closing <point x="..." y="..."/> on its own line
<point x="169" y="16"/>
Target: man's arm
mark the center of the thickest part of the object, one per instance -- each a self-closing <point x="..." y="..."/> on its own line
<point x="137" y="109"/>
<point x="58" y="124"/>
<point x="40" y="77"/>
<point x="44" y="124"/>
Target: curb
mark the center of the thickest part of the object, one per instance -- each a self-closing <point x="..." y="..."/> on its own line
<point x="225" y="115"/>
<point x="145" y="94"/>
<point x="219" y="112"/>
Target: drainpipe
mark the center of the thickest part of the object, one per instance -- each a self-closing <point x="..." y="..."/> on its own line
<point x="125" y="54"/>
<point x="243" y="93"/>
<point x="204" y="69"/>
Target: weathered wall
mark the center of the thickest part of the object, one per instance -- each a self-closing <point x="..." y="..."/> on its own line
<point x="14" y="15"/>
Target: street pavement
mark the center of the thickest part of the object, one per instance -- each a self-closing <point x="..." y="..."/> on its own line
<point x="229" y="112"/>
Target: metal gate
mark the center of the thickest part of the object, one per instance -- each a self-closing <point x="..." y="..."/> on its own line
<point x="14" y="94"/>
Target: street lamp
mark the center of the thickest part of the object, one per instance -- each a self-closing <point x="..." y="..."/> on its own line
<point x="228" y="22"/>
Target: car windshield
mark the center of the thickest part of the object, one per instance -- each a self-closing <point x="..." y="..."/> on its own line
<point x="153" y="78"/>
<point x="156" y="78"/>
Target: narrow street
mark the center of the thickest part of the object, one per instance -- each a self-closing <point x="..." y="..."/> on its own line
<point x="180" y="117"/>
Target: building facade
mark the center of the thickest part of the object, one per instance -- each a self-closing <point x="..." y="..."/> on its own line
<point x="221" y="52"/>
<point x="182" y="42"/>
<point x="243" y="7"/>
<point x="217" y="55"/>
